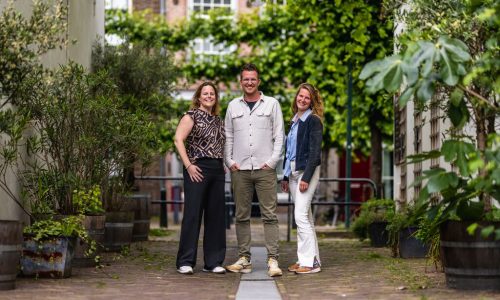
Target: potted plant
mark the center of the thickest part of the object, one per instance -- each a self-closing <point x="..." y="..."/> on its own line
<point x="119" y="224"/>
<point x="372" y="221"/>
<point x="462" y="201"/>
<point x="48" y="246"/>
<point x="403" y="239"/>
<point x="89" y="204"/>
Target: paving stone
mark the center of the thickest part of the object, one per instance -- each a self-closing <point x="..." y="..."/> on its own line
<point x="351" y="270"/>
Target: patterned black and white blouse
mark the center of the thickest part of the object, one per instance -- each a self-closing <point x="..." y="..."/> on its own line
<point x="207" y="137"/>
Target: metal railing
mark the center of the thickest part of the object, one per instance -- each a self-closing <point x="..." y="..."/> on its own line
<point x="163" y="200"/>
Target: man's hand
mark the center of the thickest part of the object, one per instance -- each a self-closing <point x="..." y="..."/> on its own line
<point x="265" y="167"/>
<point x="234" y="167"/>
<point x="284" y="186"/>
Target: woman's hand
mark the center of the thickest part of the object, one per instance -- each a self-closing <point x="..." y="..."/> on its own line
<point x="194" y="173"/>
<point x="303" y="186"/>
<point x="284" y="186"/>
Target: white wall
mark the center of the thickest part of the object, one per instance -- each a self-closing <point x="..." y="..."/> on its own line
<point x="85" y="23"/>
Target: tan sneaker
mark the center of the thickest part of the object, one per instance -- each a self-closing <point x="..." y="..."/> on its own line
<point x="293" y="267"/>
<point x="242" y="265"/>
<point x="308" y="270"/>
<point x="273" y="268"/>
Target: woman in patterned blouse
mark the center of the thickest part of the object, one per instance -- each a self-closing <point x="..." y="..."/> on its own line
<point x="199" y="140"/>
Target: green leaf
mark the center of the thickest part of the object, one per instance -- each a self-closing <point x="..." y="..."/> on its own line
<point x="459" y="153"/>
<point x="370" y="69"/>
<point x="459" y="114"/>
<point x="425" y="54"/>
<point x="485" y="232"/>
<point x="468" y="210"/>
<point x="405" y="96"/>
<point x="457" y="96"/>
<point x="476" y="164"/>
<point x="439" y="182"/>
<point x="410" y="72"/>
<point x="433" y="172"/>
<point x="448" y="69"/>
<point x="393" y="77"/>
<point x="384" y="73"/>
<point x="457" y="49"/>
<point x="472" y="228"/>
<point x="426" y="90"/>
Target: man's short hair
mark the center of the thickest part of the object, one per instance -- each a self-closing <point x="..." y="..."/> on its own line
<point x="249" y="67"/>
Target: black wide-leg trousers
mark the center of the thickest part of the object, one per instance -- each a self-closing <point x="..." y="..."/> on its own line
<point x="205" y="199"/>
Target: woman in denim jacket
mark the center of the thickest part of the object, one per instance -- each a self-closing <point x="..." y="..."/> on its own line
<point x="301" y="173"/>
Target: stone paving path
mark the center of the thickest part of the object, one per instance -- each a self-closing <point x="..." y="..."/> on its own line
<point x="257" y="285"/>
<point x="351" y="270"/>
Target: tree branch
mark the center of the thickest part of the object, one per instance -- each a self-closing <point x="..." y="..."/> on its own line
<point x="476" y="95"/>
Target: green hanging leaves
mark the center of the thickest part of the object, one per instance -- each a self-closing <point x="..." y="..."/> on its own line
<point x="443" y="61"/>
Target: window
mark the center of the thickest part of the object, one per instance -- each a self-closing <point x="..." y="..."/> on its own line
<point x="435" y="131"/>
<point x="206" y="47"/>
<point x="206" y="5"/>
<point x="117" y="4"/>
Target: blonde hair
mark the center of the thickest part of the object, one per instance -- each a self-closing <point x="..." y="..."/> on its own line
<point x="316" y="100"/>
<point x="195" y="103"/>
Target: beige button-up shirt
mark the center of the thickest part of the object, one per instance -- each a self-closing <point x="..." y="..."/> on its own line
<point x="254" y="137"/>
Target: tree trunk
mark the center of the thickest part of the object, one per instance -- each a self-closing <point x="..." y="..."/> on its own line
<point x="376" y="156"/>
<point x="482" y="135"/>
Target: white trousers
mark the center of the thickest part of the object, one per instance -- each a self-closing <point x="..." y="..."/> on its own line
<point x="307" y="242"/>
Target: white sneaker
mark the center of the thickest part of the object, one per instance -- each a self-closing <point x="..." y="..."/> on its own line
<point x="242" y="265"/>
<point x="273" y="268"/>
<point x="185" y="270"/>
<point x="216" y="270"/>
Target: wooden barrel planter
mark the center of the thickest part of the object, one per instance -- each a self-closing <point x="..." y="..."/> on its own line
<point x="50" y="258"/>
<point x="410" y="246"/>
<point x="11" y="238"/>
<point x="379" y="236"/>
<point x="95" y="229"/>
<point x="118" y="230"/>
<point x="470" y="262"/>
<point x="139" y="205"/>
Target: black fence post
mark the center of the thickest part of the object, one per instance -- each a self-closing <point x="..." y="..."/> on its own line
<point x="176" y="196"/>
<point x="163" y="208"/>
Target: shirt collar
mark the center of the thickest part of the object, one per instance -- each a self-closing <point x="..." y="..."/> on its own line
<point x="262" y="97"/>
<point x="304" y="115"/>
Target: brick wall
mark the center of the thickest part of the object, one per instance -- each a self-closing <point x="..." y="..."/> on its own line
<point x="153" y="5"/>
<point x="176" y="12"/>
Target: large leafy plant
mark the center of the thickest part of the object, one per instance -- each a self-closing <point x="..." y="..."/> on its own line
<point x="466" y="87"/>
<point x="22" y="42"/>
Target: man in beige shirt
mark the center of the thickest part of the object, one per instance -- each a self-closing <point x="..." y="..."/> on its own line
<point x="254" y="143"/>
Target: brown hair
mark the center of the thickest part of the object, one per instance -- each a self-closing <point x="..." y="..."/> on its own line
<point x="316" y="101"/>
<point x="249" y="67"/>
<point x="196" y="97"/>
